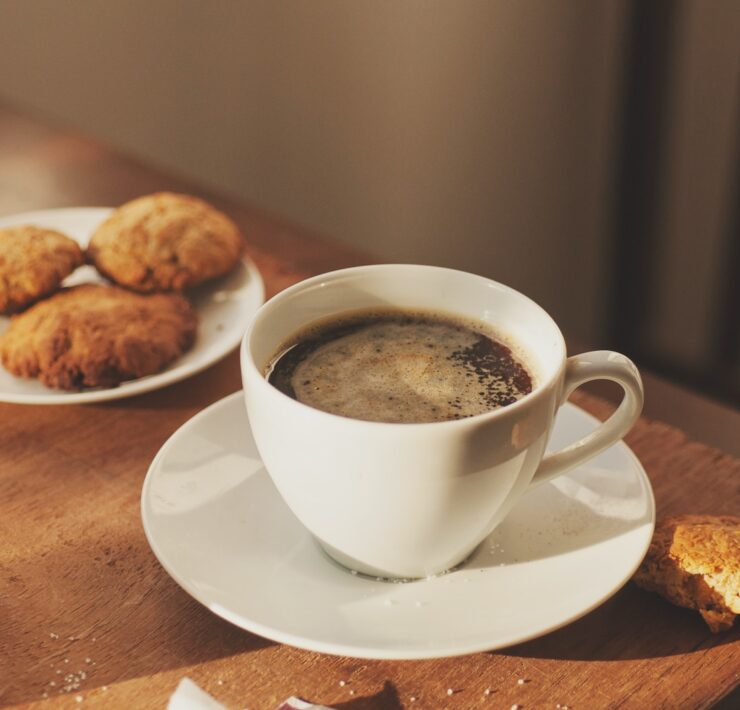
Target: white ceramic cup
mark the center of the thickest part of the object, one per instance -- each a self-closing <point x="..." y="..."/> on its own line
<point x="413" y="500"/>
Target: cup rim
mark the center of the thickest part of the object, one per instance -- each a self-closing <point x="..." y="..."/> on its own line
<point x="246" y="359"/>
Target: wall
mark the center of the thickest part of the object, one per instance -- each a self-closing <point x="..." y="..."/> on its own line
<point x="470" y="134"/>
<point x="699" y="190"/>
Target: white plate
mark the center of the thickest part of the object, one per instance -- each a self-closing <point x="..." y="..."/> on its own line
<point x="225" y="309"/>
<point x="218" y="526"/>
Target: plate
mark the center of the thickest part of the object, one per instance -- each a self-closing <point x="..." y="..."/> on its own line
<point x="219" y="527"/>
<point x="225" y="309"/>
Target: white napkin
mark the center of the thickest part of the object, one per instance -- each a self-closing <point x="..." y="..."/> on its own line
<point x="189" y="696"/>
<point x="298" y="704"/>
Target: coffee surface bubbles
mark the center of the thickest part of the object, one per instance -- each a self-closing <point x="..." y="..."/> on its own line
<point x="400" y="366"/>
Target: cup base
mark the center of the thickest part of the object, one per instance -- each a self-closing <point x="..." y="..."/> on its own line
<point x="354" y="566"/>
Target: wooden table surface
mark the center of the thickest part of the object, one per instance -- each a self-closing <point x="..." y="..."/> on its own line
<point x="74" y="562"/>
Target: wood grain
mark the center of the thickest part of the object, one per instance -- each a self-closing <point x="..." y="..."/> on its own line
<point x="74" y="561"/>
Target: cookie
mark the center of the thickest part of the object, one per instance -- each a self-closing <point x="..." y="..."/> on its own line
<point x="97" y="336"/>
<point x="694" y="561"/>
<point x="33" y="263"/>
<point x="165" y="242"/>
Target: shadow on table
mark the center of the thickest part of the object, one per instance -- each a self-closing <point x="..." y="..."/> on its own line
<point x="386" y="699"/>
<point x="67" y="617"/>
<point x="634" y="624"/>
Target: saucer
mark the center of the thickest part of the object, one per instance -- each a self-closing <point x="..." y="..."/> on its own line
<point x="225" y="308"/>
<point x="219" y="527"/>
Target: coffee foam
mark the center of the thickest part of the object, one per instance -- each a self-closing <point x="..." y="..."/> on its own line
<point x="404" y="366"/>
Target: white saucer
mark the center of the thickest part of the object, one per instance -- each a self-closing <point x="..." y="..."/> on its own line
<point x="225" y="309"/>
<point x="218" y="526"/>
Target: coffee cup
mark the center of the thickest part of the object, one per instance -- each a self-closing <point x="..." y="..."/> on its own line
<point x="410" y="500"/>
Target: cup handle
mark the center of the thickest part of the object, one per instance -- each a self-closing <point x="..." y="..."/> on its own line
<point x="579" y="369"/>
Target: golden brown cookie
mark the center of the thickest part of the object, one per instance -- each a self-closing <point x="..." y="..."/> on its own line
<point x="97" y="336"/>
<point x="694" y="561"/>
<point x="33" y="262"/>
<point x="165" y="242"/>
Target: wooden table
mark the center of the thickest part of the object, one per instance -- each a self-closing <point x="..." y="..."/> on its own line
<point x="80" y="589"/>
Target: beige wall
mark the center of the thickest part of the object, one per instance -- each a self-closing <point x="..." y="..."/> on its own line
<point x="470" y="134"/>
<point x="699" y="183"/>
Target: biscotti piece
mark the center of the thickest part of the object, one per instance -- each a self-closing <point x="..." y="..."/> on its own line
<point x="694" y="561"/>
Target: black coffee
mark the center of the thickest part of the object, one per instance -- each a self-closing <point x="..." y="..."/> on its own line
<point x="399" y="366"/>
